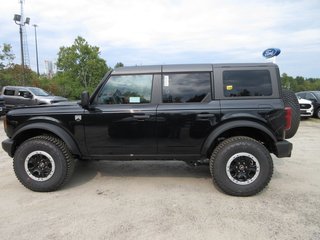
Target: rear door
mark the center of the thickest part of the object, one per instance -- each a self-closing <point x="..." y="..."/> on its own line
<point x="188" y="112"/>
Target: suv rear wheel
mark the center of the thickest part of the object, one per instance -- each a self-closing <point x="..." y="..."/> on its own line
<point x="241" y="166"/>
<point x="43" y="163"/>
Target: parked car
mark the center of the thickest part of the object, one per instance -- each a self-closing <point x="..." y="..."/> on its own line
<point x="2" y="107"/>
<point x="314" y="97"/>
<point x="17" y="96"/>
<point x="306" y="107"/>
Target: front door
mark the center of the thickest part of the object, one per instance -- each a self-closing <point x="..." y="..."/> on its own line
<point x="122" y="120"/>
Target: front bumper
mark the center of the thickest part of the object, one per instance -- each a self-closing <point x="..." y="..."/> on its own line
<point x="283" y="149"/>
<point x="306" y="112"/>
<point x="8" y="146"/>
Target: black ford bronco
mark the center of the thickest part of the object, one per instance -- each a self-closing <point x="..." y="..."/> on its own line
<point x="229" y="116"/>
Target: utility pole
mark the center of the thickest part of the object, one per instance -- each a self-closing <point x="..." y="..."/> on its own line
<point x="25" y="39"/>
<point x="19" y="20"/>
<point x="36" y="41"/>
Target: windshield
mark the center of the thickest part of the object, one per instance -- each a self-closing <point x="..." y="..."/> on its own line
<point x="39" y="92"/>
<point x="317" y="93"/>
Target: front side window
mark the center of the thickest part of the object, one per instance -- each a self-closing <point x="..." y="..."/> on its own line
<point x="246" y="83"/>
<point x="23" y="93"/>
<point x="186" y="87"/>
<point x="126" y="89"/>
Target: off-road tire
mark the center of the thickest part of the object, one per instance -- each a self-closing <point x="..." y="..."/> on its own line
<point x="226" y="151"/>
<point x="54" y="153"/>
<point x="290" y="100"/>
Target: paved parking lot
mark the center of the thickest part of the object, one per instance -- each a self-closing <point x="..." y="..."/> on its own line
<point x="167" y="200"/>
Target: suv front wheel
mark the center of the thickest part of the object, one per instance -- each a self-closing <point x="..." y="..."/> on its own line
<point x="317" y="113"/>
<point x="241" y="166"/>
<point x="43" y="163"/>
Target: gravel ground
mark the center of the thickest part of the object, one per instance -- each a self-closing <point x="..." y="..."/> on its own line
<point x="167" y="200"/>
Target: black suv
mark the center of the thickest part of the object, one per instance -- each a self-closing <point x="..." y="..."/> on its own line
<point x="230" y="116"/>
<point x="314" y="97"/>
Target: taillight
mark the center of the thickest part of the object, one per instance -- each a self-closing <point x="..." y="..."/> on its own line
<point x="288" y="116"/>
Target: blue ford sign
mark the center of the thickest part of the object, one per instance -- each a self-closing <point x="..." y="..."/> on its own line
<point x="271" y="52"/>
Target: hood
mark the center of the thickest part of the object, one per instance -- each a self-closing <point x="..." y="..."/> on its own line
<point x="38" y="110"/>
<point x="304" y="101"/>
<point x="51" y="99"/>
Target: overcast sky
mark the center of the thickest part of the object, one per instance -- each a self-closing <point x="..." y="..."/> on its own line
<point x="173" y="31"/>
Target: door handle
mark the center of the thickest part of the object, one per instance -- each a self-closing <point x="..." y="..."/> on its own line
<point x="205" y="115"/>
<point x="141" y="116"/>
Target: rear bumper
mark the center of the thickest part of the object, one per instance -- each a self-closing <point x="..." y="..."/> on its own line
<point x="8" y="146"/>
<point x="283" y="149"/>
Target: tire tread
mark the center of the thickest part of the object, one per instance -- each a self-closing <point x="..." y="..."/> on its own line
<point x="213" y="158"/>
<point x="70" y="163"/>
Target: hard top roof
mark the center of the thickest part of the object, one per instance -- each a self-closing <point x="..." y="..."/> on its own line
<point x="184" y="68"/>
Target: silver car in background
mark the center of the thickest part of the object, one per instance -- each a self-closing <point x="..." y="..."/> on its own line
<point x="17" y="96"/>
<point x="306" y="107"/>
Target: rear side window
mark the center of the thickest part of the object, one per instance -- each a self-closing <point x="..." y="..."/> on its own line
<point x="246" y="83"/>
<point x="9" y="92"/>
<point x="186" y="87"/>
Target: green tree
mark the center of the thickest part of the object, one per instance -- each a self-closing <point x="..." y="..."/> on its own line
<point x="119" y="64"/>
<point x="13" y="76"/>
<point x="6" y="56"/>
<point x="80" y="67"/>
<point x="299" y="83"/>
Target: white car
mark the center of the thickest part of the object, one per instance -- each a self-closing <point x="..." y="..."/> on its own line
<point x="306" y="107"/>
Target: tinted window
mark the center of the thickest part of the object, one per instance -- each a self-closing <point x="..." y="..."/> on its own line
<point x="8" y="92"/>
<point x="242" y="83"/>
<point x="186" y="87"/>
<point x="128" y="89"/>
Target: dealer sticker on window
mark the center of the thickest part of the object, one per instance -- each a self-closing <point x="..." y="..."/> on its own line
<point x="166" y="81"/>
<point x="134" y="99"/>
<point x="229" y="87"/>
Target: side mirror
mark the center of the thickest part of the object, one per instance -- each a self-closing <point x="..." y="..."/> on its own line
<point x="85" y="99"/>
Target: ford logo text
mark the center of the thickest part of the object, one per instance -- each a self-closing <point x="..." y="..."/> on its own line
<point x="271" y="52"/>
